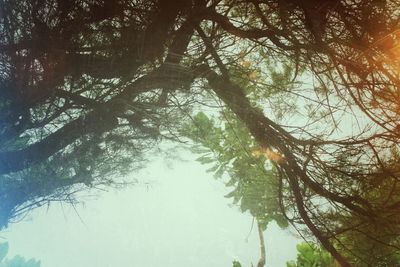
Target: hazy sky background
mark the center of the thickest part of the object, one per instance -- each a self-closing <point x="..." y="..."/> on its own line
<point x="176" y="216"/>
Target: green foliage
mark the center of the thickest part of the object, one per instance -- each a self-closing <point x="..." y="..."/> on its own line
<point x="382" y="248"/>
<point x="310" y="255"/>
<point x="17" y="261"/>
<point x="264" y="78"/>
<point x="236" y="264"/>
<point x="227" y="148"/>
<point x="123" y="73"/>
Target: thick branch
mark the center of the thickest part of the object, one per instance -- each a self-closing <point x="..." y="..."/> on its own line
<point x="99" y="120"/>
<point x="264" y="132"/>
<point x="12" y="161"/>
<point x="267" y="136"/>
<point x="225" y="23"/>
<point x="294" y="185"/>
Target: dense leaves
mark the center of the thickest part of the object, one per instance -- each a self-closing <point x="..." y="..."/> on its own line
<point x="228" y="150"/>
<point x="88" y="86"/>
<point x="309" y="255"/>
<point x="16" y="261"/>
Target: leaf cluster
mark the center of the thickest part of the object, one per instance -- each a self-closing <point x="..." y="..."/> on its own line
<point x="310" y="255"/>
<point x="227" y="148"/>
<point x="16" y="261"/>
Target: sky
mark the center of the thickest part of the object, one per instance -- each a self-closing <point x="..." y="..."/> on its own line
<point x="176" y="215"/>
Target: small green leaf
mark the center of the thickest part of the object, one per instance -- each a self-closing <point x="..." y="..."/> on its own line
<point x="236" y="264"/>
<point x="231" y="194"/>
<point x="219" y="172"/>
<point x="213" y="168"/>
<point x="205" y="159"/>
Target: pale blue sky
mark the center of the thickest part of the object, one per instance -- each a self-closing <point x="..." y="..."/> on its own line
<point x="180" y="219"/>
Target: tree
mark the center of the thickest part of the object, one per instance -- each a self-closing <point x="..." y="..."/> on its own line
<point x="229" y="148"/>
<point x="16" y="261"/>
<point x="310" y="255"/>
<point x="60" y="128"/>
<point x="89" y="83"/>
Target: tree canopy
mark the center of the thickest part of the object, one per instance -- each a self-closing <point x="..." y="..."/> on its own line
<point x="88" y="86"/>
<point x="309" y="255"/>
<point x="16" y="261"/>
